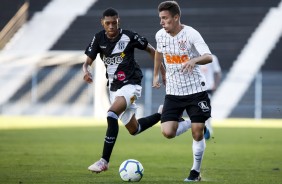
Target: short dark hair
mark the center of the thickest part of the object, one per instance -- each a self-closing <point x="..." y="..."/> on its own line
<point x="110" y="12"/>
<point x="171" y="6"/>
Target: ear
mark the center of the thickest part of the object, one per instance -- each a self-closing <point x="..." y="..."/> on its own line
<point x="176" y="18"/>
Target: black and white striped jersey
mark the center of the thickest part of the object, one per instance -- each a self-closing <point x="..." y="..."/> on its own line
<point x="177" y="50"/>
<point x="118" y="57"/>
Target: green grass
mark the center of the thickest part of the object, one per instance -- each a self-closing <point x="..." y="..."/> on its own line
<point x="62" y="155"/>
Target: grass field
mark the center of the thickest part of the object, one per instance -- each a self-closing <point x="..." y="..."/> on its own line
<point x="61" y="154"/>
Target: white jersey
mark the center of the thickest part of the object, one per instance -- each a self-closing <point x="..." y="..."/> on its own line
<point x="209" y="70"/>
<point x="177" y="50"/>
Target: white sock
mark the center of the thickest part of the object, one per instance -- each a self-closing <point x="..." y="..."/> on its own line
<point x="198" y="148"/>
<point x="209" y="125"/>
<point x="183" y="126"/>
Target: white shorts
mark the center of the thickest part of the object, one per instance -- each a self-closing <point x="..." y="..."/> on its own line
<point x="131" y="93"/>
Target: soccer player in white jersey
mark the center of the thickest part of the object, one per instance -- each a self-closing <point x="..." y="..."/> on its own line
<point x="182" y="49"/>
<point x="212" y="73"/>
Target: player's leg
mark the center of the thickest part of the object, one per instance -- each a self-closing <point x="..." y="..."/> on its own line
<point x="135" y="126"/>
<point x="198" y="147"/>
<point x="117" y="107"/>
<point x="131" y="93"/>
<point x="172" y="110"/>
<point x="199" y="111"/>
<point x="208" y="131"/>
<point x="183" y="126"/>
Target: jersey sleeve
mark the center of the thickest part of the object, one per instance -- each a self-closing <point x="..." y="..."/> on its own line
<point x="158" y="47"/>
<point x="199" y="43"/>
<point x="93" y="48"/>
<point x="139" y="42"/>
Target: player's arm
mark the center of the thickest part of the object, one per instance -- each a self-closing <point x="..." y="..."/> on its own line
<point x="157" y="66"/>
<point x="202" y="48"/>
<point x="201" y="60"/>
<point x="87" y="74"/>
<point x="204" y="59"/>
<point x="150" y="49"/>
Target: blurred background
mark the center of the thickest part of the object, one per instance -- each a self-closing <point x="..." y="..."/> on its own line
<point x="42" y="50"/>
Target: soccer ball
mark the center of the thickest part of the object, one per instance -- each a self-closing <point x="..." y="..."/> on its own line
<point x="131" y="170"/>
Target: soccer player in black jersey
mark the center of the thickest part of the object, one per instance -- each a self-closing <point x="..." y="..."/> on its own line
<point x="116" y="48"/>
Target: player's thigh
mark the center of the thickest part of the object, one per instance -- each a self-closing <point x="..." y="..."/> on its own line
<point x="130" y="92"/>
<point x="125" y="97"/>
<point x="199" y="108"/>
<point x="172" y="109"/>
<point x="119" y="105"/>
<point x="169" y="128"/>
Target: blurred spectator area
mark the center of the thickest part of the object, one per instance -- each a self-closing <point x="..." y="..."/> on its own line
<point x="225" y="25"/>
<point x="8" y="9"/>
<point x="14" y="14"/>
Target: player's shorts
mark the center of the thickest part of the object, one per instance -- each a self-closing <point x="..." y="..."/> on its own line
<point x="131" y="93"/>
<point x="196" y="105"/>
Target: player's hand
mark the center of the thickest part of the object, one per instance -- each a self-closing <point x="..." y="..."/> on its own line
<point x="88" y="78"/>
<point x="188" y="66"/>
<point x="156" y="83"/>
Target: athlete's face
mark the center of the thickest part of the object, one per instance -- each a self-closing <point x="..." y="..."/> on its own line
<point x="111" y="25"/>
<point x="168" y="22"/>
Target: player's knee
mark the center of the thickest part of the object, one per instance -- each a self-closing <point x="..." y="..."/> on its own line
<point x="197" y="135"/>
<point x="132" y="132"/>
<point x="169" y="134"/>
<point x="132" y="126"/>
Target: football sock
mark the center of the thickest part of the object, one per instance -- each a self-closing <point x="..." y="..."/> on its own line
<point x="183" y="126"/>
<point x="111" y="135"/>
<point x="198" y="153"/>
<point x="208" y="125"/>
<point x="147" y="122"/>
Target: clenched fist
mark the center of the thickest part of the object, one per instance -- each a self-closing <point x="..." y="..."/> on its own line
<point x="88" y="78"/>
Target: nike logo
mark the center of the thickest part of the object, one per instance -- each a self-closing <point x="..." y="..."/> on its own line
<point x="103" y="47"/>
<point x="164" y="45"/>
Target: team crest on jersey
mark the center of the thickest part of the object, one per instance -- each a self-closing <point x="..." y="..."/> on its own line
<point x="121" y="45"/>
<point x="204" y="106"/>
<point x="182" y="45"/>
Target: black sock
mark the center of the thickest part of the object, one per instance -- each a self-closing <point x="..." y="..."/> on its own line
<point x="148" y="121"/>
<point x="110" y="139"/>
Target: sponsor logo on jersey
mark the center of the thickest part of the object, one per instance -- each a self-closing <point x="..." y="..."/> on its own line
<point x="121" y="75"/>
<point x="176" y="59"/>
<point x="182" y="45"/>
<point x="204" y="106"/>
<point x="113" y="60"/>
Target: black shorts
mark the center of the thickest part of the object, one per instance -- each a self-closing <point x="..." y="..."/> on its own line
<point x="196" y="105"/>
